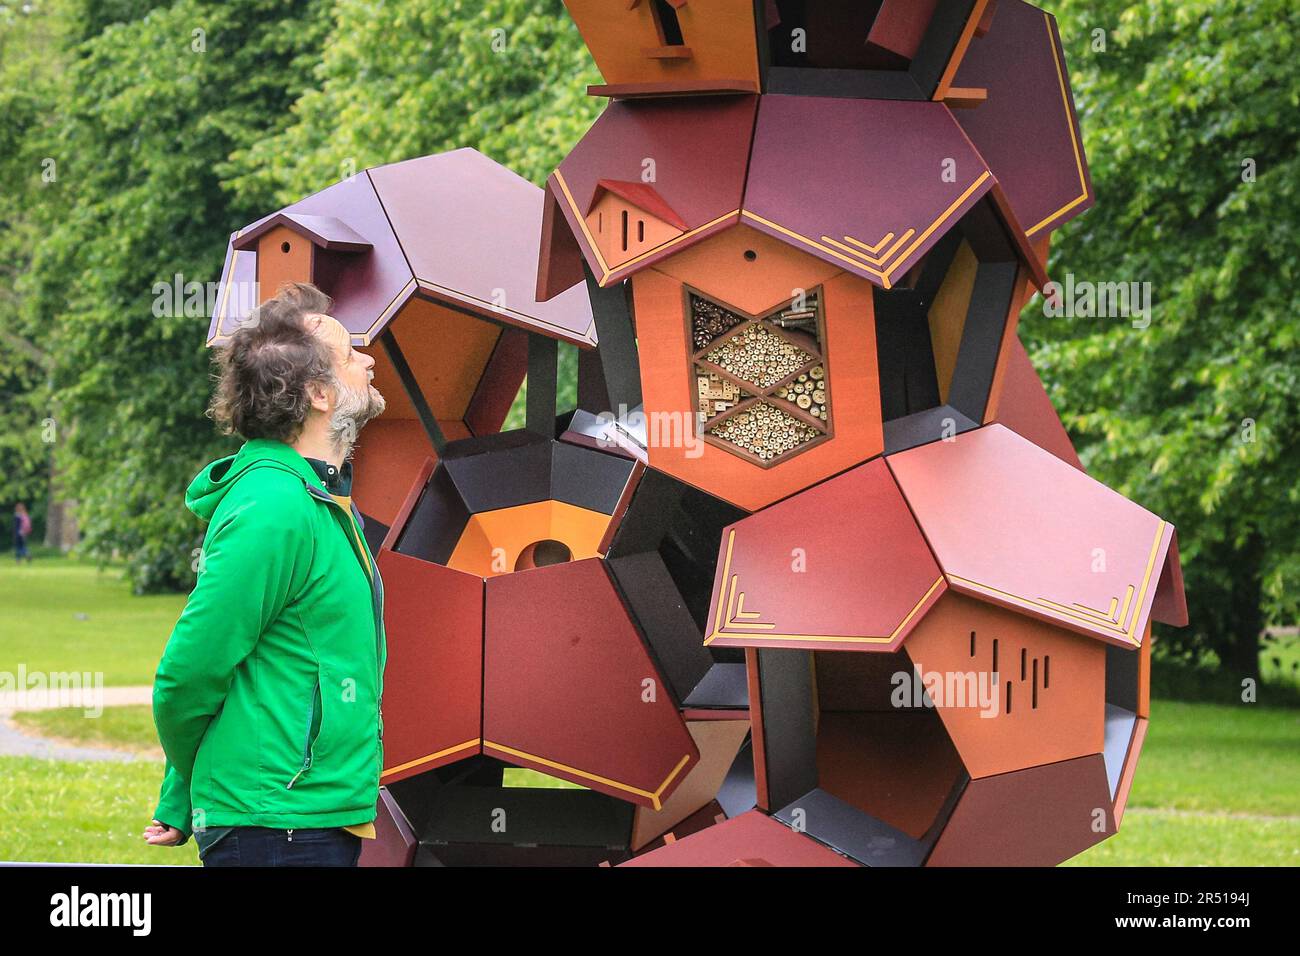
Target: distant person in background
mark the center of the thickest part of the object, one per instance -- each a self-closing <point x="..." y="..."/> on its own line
<point x="22" y="531"/>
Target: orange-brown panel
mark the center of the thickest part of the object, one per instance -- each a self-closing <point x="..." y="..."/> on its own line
<point x="388" y="456"/>
<point x="1020" y="402"/>
<point x="948" y="315"/>
<point x="667" y="384"/>
<point x="447" y="352"/>
<point x="1048" y="700"/>
<point x="627" y="41"/>
<point x="1007" y="358"/>
<point x="718" y="741"/>
<point x="282" y="256"/>
<point x="898" y="766"/>
<point x="723" y="268"/>
<point x="493" y="540"/>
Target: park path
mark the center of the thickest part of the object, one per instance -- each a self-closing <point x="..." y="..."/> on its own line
<point x="15" y="742"/>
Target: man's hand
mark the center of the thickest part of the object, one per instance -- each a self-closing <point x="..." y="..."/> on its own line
<point x="159" y="834"/>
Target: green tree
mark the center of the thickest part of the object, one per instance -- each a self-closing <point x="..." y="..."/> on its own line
<point x="149" y="107"/>
<point x="408" y="78"/>
<point x="1189" y="117"/>
<point x="32" y="43"/>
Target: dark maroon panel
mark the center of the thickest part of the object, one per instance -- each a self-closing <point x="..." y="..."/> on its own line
<point x="395" y="841"/>
<point x="472" y="231"/>
<point x="1026" y="130"/>
<point x="751" y="839"/>
<point x="699" y="147"/>
<point x="559" y="258"/>
<point x="565" y="686"/>
<point x="433" y="619"/>
<point x="809" y="151"/>
<point x="842" y="566"/>
<point x="1170" y="604"/>
<point x="499" y="385"/>
<point x="900" y="25"/>
<point x="1036" y="817"/>
<point x="1024" y="407"/>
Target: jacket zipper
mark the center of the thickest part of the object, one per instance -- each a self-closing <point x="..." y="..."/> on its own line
<point x="371" y="571"/>
<point x="307" y="749"/>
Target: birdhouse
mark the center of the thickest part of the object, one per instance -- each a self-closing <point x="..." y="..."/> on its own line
<point x="432" y="267"/>
<point x="783" y="334"/>
<point x="924" y="671"/>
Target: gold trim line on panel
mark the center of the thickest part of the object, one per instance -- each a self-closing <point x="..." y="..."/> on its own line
<point x="734" y="610"/>
<point x="653" y="796"/>
<point x="431" y="757"/>
<point x="1074" y="140"/>
<point x="1088" y="616"/>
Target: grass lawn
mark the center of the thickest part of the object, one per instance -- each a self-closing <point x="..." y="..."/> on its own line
<point x="62" y="615"/>
<point x="1216" y="784"/>
<point x="91" y="812"/>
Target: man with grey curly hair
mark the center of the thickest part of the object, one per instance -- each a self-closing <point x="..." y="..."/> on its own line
<point x="268" y="698"/>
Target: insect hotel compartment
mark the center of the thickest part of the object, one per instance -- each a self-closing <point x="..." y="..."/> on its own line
<point x="761" y="384"/>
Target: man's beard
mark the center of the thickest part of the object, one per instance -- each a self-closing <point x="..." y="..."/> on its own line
<point x="352" y="410"/>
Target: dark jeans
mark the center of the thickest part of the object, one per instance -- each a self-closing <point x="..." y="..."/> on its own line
<point x="20" y="547"/>
<point x="265" y="846"/>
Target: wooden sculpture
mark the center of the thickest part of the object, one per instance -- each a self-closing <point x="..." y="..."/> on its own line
<point x="812" y="575"/>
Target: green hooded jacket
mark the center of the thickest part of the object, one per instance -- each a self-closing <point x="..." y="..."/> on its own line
<point x="269" y="694"/>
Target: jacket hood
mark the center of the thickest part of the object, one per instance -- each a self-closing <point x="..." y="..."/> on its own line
<point x="212" y="483"/>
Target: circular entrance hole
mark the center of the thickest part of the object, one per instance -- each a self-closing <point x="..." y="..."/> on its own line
<point x="541" y="554"/>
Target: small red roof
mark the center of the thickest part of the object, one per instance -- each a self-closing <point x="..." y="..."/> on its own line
<point x="363" y="290"/>
<point x="642" y="195"/>
<point x="325" y="231"/>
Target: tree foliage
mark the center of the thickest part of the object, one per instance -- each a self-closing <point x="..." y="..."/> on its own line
<point x="1194" y="416"/>
<point x="143" y="113"/>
